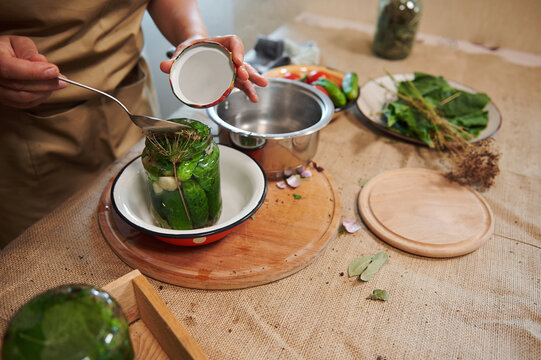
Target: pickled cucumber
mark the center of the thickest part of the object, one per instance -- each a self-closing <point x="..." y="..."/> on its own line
<point x="197" y="202"/>
<point x="171" y="208"/>
<point x="192" y="199"/>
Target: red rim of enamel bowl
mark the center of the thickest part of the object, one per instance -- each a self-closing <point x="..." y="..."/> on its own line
<point x="197" y="241"/>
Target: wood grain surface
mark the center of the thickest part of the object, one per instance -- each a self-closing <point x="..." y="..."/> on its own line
<point x="154" y="331"/>
<point x="285" y="235"/>
<point x="420" y="211"/>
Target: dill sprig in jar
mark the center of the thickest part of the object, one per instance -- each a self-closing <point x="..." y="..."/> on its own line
<point x="183" y="173"/>
<point x="396" y="28"/>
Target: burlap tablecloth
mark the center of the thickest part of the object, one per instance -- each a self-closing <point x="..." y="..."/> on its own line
<point x="484" y="305"/>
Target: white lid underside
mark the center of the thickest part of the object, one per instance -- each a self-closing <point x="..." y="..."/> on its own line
<point x="201" y="75"/>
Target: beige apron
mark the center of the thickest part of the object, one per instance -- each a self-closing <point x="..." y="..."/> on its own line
<point x="49" y="152"/>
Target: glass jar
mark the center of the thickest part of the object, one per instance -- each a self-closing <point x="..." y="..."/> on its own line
<point x="396" y="28"/>
<point x="69" y="322"/>
<point x="183" y="172"/>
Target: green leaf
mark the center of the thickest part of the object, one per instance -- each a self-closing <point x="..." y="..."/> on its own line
<point x="433" y="92"/>
<point x="378" y="294"/>
<point x="297" y="196"/>
<point x="358" y="265"/>
<point x="70" y="328"/>
<point x="464" y="104"/>
<point x="377" y="262"/>
<point x="476" y="119"/>
<point x="426" y="83"/>
<point x="408" y="121"/>
<point x="414" y="87"/>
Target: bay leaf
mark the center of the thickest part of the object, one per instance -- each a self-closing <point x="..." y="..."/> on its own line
<point x="358" y="265"/>
<point x="377" y="262"/>
<point x="379" y="294"/>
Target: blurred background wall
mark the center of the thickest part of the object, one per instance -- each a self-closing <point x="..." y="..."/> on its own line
<point x="507" y="24"/>
<point x="511" y="24"/>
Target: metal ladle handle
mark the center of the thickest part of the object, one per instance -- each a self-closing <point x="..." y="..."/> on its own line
<point x="96" y="90"/>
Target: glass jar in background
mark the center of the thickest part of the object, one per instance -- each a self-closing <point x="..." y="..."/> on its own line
<point x="183" y="172"/>
<point x="396" y="28"/>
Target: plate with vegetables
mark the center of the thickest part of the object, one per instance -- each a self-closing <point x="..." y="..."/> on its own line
<point x="341" y="87"/>
<point x="387" y="103"/>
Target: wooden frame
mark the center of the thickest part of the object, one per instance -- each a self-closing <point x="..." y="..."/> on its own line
<point x="154" y="330"/>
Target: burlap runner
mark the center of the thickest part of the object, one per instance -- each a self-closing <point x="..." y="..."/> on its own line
<point x="484" y="305"/>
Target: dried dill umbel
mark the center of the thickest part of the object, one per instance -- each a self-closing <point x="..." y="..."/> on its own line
<point x="176" y="145"/>
<point x="475" y="165"/>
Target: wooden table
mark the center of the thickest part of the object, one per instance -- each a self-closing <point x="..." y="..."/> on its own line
<point x="483" y="305"/>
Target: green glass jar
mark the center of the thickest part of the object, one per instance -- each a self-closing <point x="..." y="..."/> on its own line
<point x="70" y="322"/>
<point x="396" y="28"/>
<point x="183" y="172"/>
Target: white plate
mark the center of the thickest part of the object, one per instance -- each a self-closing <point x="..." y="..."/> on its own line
<point x="374" y="97"/>
<point x="243" y="188"/>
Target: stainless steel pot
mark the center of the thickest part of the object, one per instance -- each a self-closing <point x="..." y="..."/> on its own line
<point x="281" y="131"/>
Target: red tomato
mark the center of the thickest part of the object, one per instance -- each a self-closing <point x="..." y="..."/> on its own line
<point x="314" y="75"/>
<point x="321" y="89"/>
<point x="291" y="76"/>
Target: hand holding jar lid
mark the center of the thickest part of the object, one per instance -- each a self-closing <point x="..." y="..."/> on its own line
<point x="203" y="72"/>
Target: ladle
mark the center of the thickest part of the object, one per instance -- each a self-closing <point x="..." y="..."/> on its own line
<point x="147" y="123"/>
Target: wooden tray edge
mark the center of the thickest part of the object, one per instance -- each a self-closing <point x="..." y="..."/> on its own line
<point x="139" y="301"/>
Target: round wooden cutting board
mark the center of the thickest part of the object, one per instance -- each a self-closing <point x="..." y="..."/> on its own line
<point x="285" y="235"/>
<point x="420" y="211"/>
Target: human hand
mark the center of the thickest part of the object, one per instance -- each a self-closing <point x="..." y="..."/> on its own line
<point x="247" y="76"/>
<point x="26" y="78"/>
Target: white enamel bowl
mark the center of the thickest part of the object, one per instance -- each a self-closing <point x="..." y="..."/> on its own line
<point x="243" y="188"/>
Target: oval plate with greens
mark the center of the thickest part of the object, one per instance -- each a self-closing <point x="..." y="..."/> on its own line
<point x="377" y="93"/>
